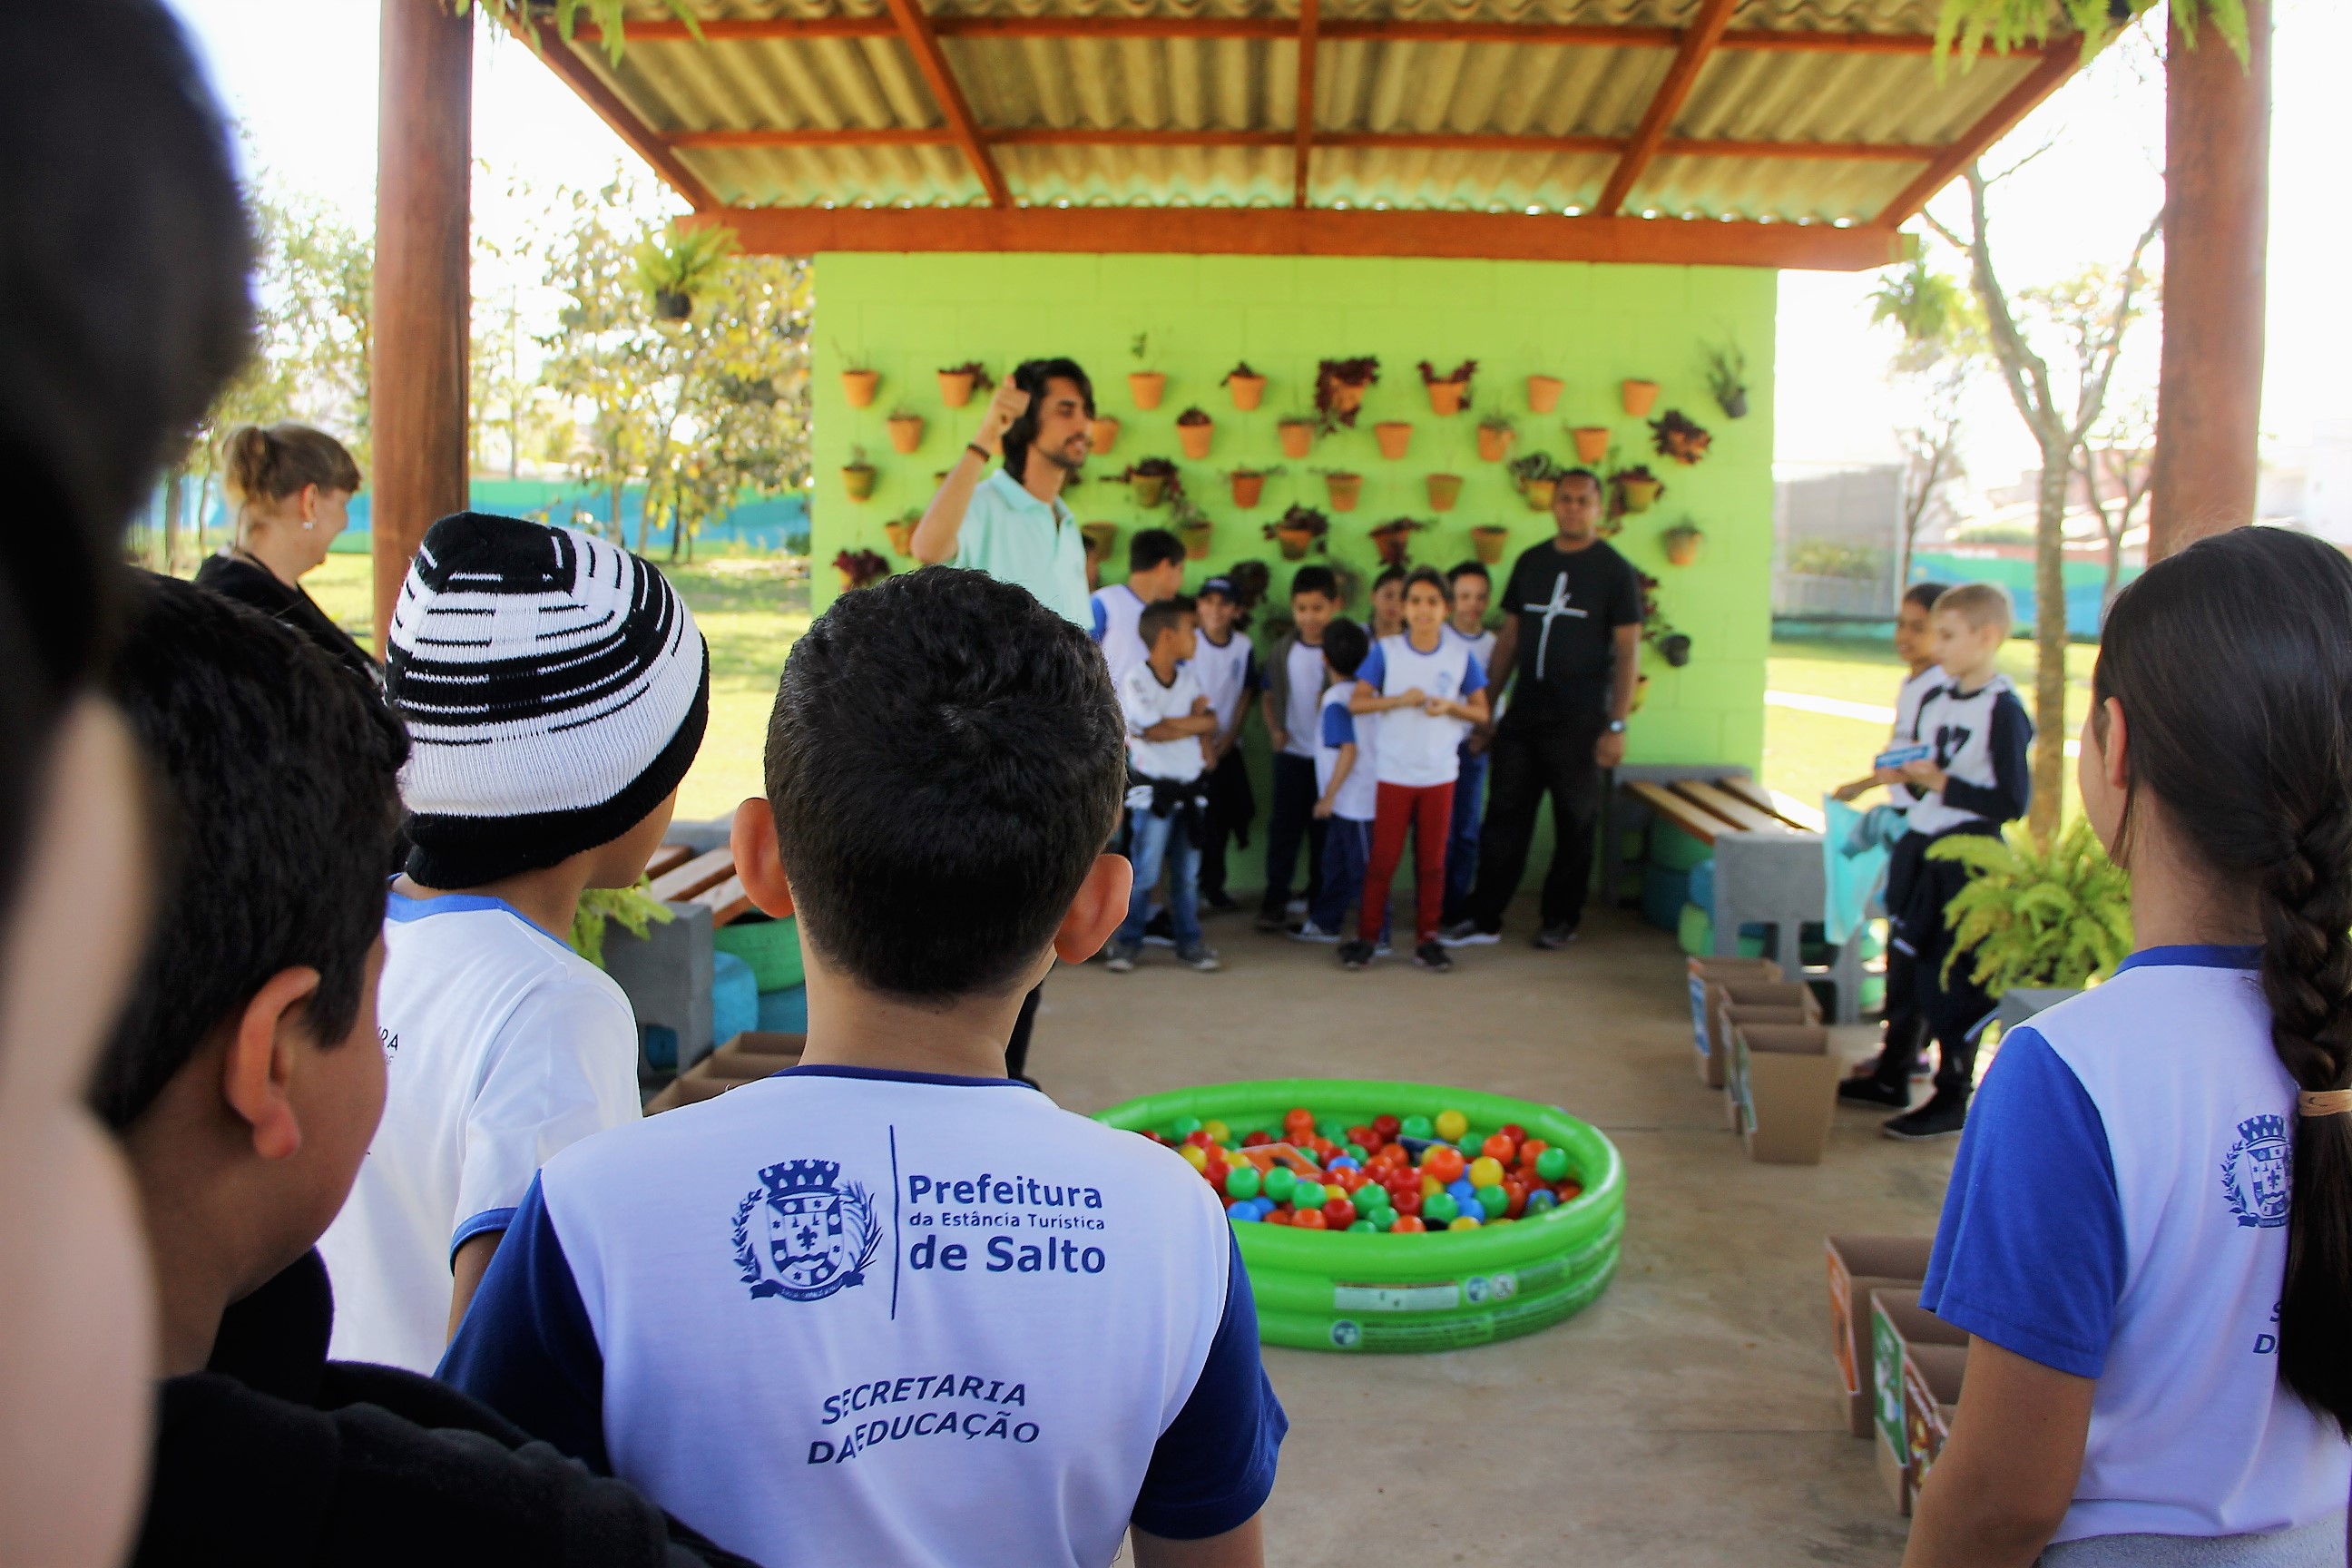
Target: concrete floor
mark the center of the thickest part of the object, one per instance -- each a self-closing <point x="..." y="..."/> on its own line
<point x="1687" y="1417"/>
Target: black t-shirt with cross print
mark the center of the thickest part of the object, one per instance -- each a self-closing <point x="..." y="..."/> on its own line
<point x="1568" y="604"/>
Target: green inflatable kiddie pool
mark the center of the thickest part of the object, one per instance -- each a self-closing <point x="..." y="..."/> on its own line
<point x="1435" y="1290"/>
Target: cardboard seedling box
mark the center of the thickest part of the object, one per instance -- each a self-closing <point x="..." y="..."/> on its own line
<point x="756" y="1053"/>
<point x="1723" y="996"/>
<point x="1859" y="1265"/>
<point x="1931" y="1394"/>
<point x="1785" y="1080"/>
<point x="1897" y="1322"/>
<point x="1710" y="1051"/>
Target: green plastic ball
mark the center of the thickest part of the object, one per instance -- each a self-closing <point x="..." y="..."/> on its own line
<point x="1378" y="1211"/>
<point x="1186" y="1126"/>
<point x="1307" y="1195"/>
<point x="1415" y="1127"/>
<point x="1494" y="1200"/>
<point x="1359" y="1153"/>
<point x="1364" y="1225"/>
<point x="1242" y="1182"/>
<point x="1333" y="1129"/>
<point x="1552" y="1164"/>
<point x="1439" y="1208"/>
<point x="1280" y="1183"/>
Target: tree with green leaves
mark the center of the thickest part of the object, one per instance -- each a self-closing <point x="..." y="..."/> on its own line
<point x="603" y="353"/>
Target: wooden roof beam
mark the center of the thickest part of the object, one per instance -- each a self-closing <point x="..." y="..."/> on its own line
<point x="1310" y="15"/>
<point x="1697" y="43"/>
<point x="1405" y="141"/>
<point x="1991" y="127"/>
<point x="610" y="108"/>
<point x="915" y="30"/>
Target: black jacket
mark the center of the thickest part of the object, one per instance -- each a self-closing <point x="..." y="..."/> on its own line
<point x="234" y="577"/>
<point x="275" y="1456"/>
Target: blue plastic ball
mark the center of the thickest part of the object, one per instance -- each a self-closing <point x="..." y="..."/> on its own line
<point x="1540" y="1200"/>
<point x="1345" y="1164"/>
<point x="1464" y="1192"/>
<point x="1244" y="1213"/>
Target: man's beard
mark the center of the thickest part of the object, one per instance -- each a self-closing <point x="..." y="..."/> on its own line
<point x="1062" y="459"/>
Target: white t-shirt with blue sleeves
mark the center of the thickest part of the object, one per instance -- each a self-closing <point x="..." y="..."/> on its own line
<point x="1417" y="748"/>
<point x="2117" y="1210"/>
<point x="1360" y="793"/>
<point x="850" y="1315"/>
<point x="1118" y="612"/>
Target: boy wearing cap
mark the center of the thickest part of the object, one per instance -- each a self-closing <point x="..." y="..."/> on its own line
<point x="1226" y="663"/>
<point x="555" y="690"/>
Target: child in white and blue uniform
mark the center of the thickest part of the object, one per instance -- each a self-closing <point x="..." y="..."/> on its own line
<point x="2143" y="1159"/>
<point x="1346" y="783"/>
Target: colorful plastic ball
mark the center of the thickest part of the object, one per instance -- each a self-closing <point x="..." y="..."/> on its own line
<point x="1531" y="1151"/>
<point x="1338" y="1213"/>
<point x="1515" y="1132"/>
<point x="1462" y="1190"/>
<point x="1308" y="1195"/>
<point x="1256" y="1140"/>
<point x="1347" y="1162"/>
<point x="1407" y="1203"/>
<point x="1363" y="1225"/>
<point x="1450" y="1125"/>
<point x="1194" y="1155"/>
<point x="1464" y="1222"/>
<point x="1500" y="1147"/>
<point x="1414" y="1127"/>
<point x="1552" y="1164"/>
<point x="1517" y="1190"/>
<point x="1387" y="1126"/>
<point x="1187" y="1125"/>
<point x="1406" y="1223"/>
<point x="1445" y="1164"/>
<point x="1280" y="1183"/>
<point x="1331" y="1126"/>
<point x="1244" y="1214"/>
<point x="1540" y="1200"/>
<point x="1243" y="1182"/>
<point x="1379" y="1214"/>
<point x="1277" y="1216"/>
<point x="1493" y="1201"/>
<point x="1148" y="1132"/>
<point x="1298" y="1119"/>
<point x="1429" y="1186"/>
<point x="1310" y="1219"/>
<point x="1217" y="1130"/>
<point x="1358" y="1150"/>
<point x="1439" y="1208"/>
<point x="1485" y="1170"/>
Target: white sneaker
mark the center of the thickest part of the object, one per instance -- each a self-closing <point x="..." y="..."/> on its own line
<point x="1310" y="932"/>
<point x="1466" y="933"/>
<point x="1201" y="957"/>
<point x="1120" y="962"/>
<point x="1296" y="907"/>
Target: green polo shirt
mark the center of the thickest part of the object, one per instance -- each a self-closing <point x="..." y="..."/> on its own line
<point x="1015" y="538"/>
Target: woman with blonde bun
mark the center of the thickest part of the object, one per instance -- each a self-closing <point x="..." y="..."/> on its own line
<point x="292" y="488"/>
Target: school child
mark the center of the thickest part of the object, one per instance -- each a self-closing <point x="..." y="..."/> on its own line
<point x="243" y="1080"/>
<point x="1429" y="689"/>
<point x="1170" y="730"/>
<point x="2144" y="1230"/>
<point x="1346" y="750"/>
<point x="1915" y="646"/>
<point x="1224" y="661"/>
<point x="1977" y="778"/>
<point x="1388" y="605"/>
<point x="1472" y="589"/>
<point x="554" y="689"/>
<point x="886" y="1304"/>
<point x="1155" y="571"/>
<point x="1292" y="700"/>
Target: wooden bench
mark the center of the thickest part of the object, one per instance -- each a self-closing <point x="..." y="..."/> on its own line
<point x="682" y="876"/>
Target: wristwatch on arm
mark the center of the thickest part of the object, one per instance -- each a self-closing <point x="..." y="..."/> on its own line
<point x="1616" y="726"/>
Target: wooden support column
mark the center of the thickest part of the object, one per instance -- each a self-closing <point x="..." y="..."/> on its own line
<point x="1310" y="16"/>
<point x="423" y="297"/>
<point x="2217" y="139"/>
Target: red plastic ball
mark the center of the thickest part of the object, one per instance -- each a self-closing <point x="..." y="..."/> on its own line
<point x="1310" y="1219"/>
<point x="1278" y="1216"/>
<point x="1408" y="1222"/>
<point x="1338" y="1214"/>
<point x="1199" y="1138"/>
<point x="1515" y="1132"/>
<point x="1406" y="1201"/>
<point x="1386" y="1125"/>
<point x="1299" y="1118"/>
<point x="1500" y="1148"/>
<point x="1257" y="1139"/>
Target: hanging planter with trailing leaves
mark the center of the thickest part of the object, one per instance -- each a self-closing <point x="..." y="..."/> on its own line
<point x="1674" y="436"/>
<point x="1297" y="531"/>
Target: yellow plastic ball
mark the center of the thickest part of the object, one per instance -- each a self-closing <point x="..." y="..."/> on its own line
<point x="1451" y="1125"/>
<point x="1194" y="1155"/>
<point x="1218" y="1131"/>
<point x="1431" y="1186"/>
<point x="1485" y="1170"/>
<point x="1462" y="1222"/>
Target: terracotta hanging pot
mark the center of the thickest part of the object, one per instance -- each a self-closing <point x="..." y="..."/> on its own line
<point x="857" y="478"/>
<point x="1493" y="444"/>
<point x="1346" y="396"/>
<point x="1488" y="540"/>
<point x="1640" y="397"/>
<point x="1446" y="397"/>
<point x="858" y="387"/>
<point x="1345" y="490"/>
<point x="1147" y="388"/>
<point x="1247" y="488"/>
<point x="1196" y="536"/>
<point x="1539" y="493"/>
<point x="902" y="537"/>
<point x="955" y="387"/>
<point x="1394" y="437"/>
<point x="1681" y="544"/>
<point x="906" y="432"/>
<point x="1246" y="391"/>
<point x="1393" y="541"/>
<point x="1101" y="435"/>
<point x="1543" y="393"/>
<point x="1099" y="538"/>
<point x="1194" y="438"/>
<point x="1148" y="489"/>
<point x="1639" y="494"/>
<point x="1592" y="442"/>
<point x="1444" y="489"/>
<point x="1295" y="541"/>
<point x="1297" y="438"/>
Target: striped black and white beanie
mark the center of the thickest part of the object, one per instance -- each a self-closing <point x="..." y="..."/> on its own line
<point x="555" y="690"/>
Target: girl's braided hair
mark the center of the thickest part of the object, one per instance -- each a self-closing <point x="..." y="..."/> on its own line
<point x="2233" y="663"/>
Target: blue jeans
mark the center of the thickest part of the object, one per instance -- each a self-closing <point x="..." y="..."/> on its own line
<point x="1151" y="840"/>
<point x="1347" y="852"/>
<point x="1461" y="843"/>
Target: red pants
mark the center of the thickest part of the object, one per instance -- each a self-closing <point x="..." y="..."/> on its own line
<point x="1428" y="810"/>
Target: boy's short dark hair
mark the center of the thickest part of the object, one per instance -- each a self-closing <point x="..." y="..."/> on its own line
<point x="1033" y="376"/>
<point x="1315" y="580"/>
<point x="1430" y="575"/>
<point x="1345" y="643"/>
<point x="945" y="761"/>
<point x="1153" y="547"/>
<point x="1587" y="476"/>
<point x="1925" y="595"/>
<point x="1396" y="574"/>
<point x="1165" y="616"/>
<point x="1470" y="569"/>
<point x="278" y="792"/>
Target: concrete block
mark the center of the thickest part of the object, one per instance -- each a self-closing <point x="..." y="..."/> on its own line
<point x="667" y="974"/>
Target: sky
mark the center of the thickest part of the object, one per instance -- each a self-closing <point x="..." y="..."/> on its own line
<point x="301" y="79"/>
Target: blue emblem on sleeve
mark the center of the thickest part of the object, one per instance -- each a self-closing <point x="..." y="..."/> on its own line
<point x="2258" y="1172"/>
<point x="804" y="1234"/>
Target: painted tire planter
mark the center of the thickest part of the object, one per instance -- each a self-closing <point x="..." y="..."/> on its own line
<point x="1429" y="1291"/>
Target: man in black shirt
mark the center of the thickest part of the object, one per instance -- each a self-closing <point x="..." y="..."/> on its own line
<point x="1568" y="649"/>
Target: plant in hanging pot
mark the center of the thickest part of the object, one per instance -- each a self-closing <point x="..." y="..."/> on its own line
<point x="906" y="427"/>
<point x="1675" y="436"/>
<point x="1194" y="527"/>
<point x="1674" y="646"/>
<point x="860" y="568"/>
<point x="1592" y="443"/>
<point x="1488" y="540"/>
<point x="1395" y="436"/>
<point x="1727" y="377"/>
<point x="1146" y="387"/>
<point x="677" y="264"/>
<point x="1245" y="386"/>
<point x="1297" y="531"/>
<point x="1537" y="475"/>
<point x="901" y="530"/>
<point x="1297" y="434"/>
<point x="1496" y="431"/>
<point x="1344" y="488"/>
<point x="1193" y="429"/>
<point x="1681" y="542"/>
<point x="1152" y="481"/>
<point x="1444" y="489"/>
<point x="1543" y="393"/>
<point x="858" y="388"/>
<point x="857" y="475"/>
<point x="1102" y="433"/>
<point x="1634" y="490"/>
<point x="959" y="382"/>
<point x="1448" y="394"/>
<point x="1639" y="396"/>
<point x="1339" y="388"/>
<point x="1248" y="484"/>
<point x="1394" y="539"/>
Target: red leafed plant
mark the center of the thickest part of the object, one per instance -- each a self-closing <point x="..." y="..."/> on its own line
<point x="860" y="568"/>
<point x="1340" y="387"/>
<point x="1676" y="436"/>
<point x="1458" y="376"/>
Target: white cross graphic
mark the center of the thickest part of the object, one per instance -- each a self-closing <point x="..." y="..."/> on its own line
<point x="1557" y="606"/>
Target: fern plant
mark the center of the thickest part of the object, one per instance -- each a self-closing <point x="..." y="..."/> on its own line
<point x="2006" y="24"/>
<point x="634" y="910"/>
<point x="2037" y="916"/>
<point x="609" y="17"/>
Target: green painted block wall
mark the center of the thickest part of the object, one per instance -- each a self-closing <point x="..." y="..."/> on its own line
<point x="1590" y="325"/>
